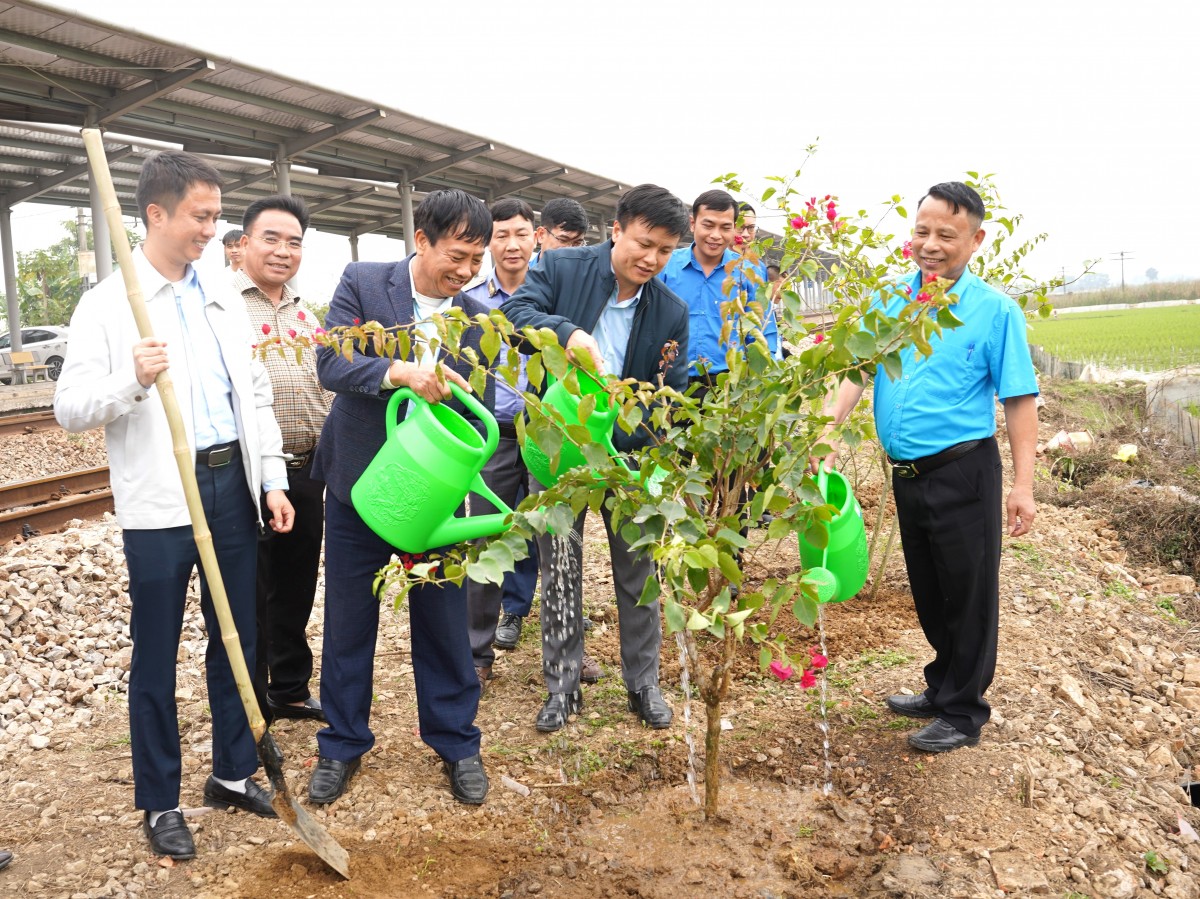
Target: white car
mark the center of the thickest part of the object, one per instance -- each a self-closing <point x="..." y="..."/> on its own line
<point x="48" y="343"/>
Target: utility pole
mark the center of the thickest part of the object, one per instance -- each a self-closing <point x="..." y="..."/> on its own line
<point x="1122" y="255"/>
<point x="1064" y="280"/>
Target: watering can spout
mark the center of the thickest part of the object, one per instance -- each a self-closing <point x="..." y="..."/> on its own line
<point x="462" y="530"/>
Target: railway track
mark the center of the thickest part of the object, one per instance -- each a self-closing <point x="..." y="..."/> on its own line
<point x="47" y="504"/>
<point x="27" y="422"/>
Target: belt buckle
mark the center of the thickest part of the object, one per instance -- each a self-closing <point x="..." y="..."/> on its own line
<point x="220" y="457"/>
<point x="905" y="469"/>
<point x="298" y="460"/>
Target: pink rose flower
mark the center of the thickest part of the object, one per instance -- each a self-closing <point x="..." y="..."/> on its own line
<point x="266" y="329"/>
<point x="300" y="315"/>
<point x="818" y="660"/>
<point x="292" y="333"/>
<point x="808" y="680"/>
<point x="781" y="671"/>
<point x="818" y="338"/>
<point x="799" y="222"/>
<point x="906" y="250"/>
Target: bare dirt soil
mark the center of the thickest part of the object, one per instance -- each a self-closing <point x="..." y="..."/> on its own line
<point x="1073" y="791"/>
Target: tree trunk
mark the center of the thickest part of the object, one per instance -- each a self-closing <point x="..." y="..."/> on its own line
<point x="712" y="757"/>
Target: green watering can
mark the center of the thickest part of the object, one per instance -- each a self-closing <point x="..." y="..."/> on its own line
<point x="840" y="569"/>
<point x="599" y="424"/>
<point x="426" y="467"/>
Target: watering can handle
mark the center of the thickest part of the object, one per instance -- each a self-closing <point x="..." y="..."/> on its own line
<point x="478" y="409"/>
<point x="823" y="487"/>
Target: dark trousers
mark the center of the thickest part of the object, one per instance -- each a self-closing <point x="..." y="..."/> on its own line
<point x="562" y="608"/>
<point x="287" y="585"/>
<point x="160" y="564"/>
<point x="506" y="475"/>
<point x="447" y="688"/>
<point x="950" y="525"/>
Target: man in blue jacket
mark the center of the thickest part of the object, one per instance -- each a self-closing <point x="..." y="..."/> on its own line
<point x="606" y="301"/>
<point x="451" y="233"/>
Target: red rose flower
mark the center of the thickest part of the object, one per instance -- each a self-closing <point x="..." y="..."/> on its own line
<point x="799" y="222"/>
<point x="906" y="250"/>
<point x="781" y="671"/>
<point x="818" y="338"/>
<point x="808" y="680"/>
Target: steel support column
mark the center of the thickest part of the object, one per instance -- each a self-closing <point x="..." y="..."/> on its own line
<point x="406" y="209"/>
<point x="101" y="238"/>
<point x="10" y="286"/>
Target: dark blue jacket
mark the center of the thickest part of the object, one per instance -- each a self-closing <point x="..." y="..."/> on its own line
<point x="355" y="428"/>
<point x="568" y="290"/>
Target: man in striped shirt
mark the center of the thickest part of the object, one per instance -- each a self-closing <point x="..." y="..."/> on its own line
<point x="272" y="246"/>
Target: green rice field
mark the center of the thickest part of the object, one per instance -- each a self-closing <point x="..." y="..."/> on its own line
<point x="1146" y="339"/>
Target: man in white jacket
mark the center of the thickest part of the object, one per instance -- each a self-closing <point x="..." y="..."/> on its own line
<point x="200" y="328"/>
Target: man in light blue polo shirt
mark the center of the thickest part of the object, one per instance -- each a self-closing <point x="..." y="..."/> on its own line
<point x="700" y="275"/>
<point x="937" y="423"/>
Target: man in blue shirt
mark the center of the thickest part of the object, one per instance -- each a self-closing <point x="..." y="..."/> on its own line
<point x="701" y="275"/>
<point x="937" y="423"/>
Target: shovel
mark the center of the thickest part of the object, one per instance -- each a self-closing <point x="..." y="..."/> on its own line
<point x="289" y="811"/>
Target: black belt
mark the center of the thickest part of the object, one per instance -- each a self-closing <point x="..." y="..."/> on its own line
<point x="299" y="460"/>
<point x="911" y="468"/>
<point x="217" y="456"/>
<point x="507" y="429"/>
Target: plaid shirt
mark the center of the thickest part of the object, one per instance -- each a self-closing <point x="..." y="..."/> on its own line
<point x="301" y="404"/>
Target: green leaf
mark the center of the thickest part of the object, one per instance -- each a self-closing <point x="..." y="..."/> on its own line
<point x="805" y="609"/>
<point x="730" y="568"/>
<point x="764" y="657"/>
<point x="902" y="212"/>
<point x="861" y="344"/>
<point x="697" y="622"/>
<point x="675" y="614"/>
<point x="650" y="591"/>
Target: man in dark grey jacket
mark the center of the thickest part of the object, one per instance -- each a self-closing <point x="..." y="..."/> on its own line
<point x="606" y="300"/>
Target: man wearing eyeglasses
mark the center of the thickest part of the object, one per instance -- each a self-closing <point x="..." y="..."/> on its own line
<point x="272" y="247"/>
<point x="564" y="224"/>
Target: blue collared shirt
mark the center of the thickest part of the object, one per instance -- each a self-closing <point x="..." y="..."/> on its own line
<point x="212" y="391"/>
<point x="509" y="404"/>
<point x="949" y="397"/>
<point x="613" y="330"/>
<point x="704" y="295"/>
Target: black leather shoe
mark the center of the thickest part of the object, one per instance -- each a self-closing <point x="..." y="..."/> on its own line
<point x="468" y="782"/>
<point x="917" y="706"/>
<point x="330" y="779"/>
<point x="941" y="736"/>
<point x="650" y="706"/>
<point x="558" y="708"/>
<point x="310" y="709"/>
<point x="5" y="859"/>
<point x="508" y="631"/>
<point x="255" y="800"/>
<point x="170" y="836"/>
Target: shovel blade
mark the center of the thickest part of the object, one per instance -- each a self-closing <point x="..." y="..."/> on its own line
<point x="315" y="836"/>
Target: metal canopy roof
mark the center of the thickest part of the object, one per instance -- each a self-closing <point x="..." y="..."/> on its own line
<point x="347" y="156"/>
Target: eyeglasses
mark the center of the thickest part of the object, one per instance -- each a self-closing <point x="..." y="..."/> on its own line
<point x="567" y="241"/>
<point x="273" y="242"/>
<point x="749" y="228"/>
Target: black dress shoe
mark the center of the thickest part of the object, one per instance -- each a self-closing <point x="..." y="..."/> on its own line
<point x="917" y="706"/>
<point x="255" y="800"/>
<point x="5" y="859"/>
<point x="508" y="632"/>
<point x="558" y="708"/>
<point x="941" y="736"/>
<point x="170" y="836"/>
<point x="650" y="706"/>
<point x="310" y="709"/>
<point x="468" y="782"/>
<point x="330" y="779"/>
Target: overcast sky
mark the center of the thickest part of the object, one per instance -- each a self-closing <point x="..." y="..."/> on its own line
<point x="1085" y="111"/>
